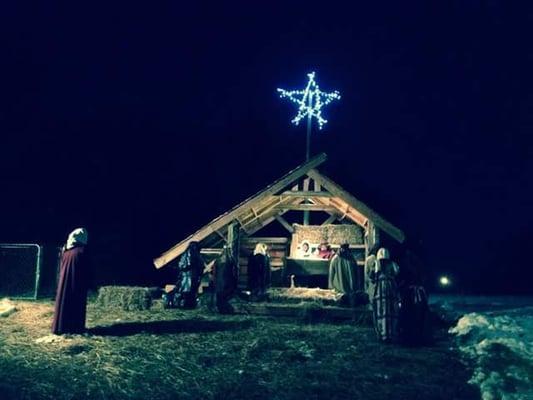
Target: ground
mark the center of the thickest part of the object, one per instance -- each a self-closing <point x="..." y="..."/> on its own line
<point x="169" y="354"/>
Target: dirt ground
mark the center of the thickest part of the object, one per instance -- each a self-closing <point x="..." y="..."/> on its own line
<point x="169" y="354"/>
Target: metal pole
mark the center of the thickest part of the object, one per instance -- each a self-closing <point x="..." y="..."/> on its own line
<point x="38" y="268"/>
<point x="308" y="146"/>
<point x="309" y="126"/>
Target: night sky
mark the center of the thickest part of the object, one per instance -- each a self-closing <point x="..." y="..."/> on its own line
<point x="144" y="122"/>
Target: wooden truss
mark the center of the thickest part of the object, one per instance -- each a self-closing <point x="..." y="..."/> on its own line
<point x="302" y="189"/>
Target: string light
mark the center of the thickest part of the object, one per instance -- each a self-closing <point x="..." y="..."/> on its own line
<point x="310" y="101"/>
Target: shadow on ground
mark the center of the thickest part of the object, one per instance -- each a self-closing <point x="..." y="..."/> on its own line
<point x="162" y="327"/>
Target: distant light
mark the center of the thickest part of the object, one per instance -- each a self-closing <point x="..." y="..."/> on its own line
<point x="310" y="101"/>
<point x="445" y="281"/>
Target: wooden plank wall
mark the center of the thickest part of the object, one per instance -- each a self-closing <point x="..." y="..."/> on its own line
<point x="277" y="250"/>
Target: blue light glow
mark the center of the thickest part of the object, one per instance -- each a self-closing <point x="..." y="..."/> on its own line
<point x="310" y="101"/>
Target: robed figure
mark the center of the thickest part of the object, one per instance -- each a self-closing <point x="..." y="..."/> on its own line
<point x="343" y="273"/>
<point x="386" y="299"/>
<point x="259" y="272"/>
<point x="415" y="321"/>
<point x="226" y="280"/>
<point x="71" y="296"/>
<point x="190" y="267"/>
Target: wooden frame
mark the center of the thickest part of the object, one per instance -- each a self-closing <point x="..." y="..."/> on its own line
<point x="319" y="194"/>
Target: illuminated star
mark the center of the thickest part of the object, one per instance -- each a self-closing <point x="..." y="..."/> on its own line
<point x="310" y="101"/>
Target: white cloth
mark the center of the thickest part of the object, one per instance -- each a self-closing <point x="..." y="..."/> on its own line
<point x="77" y="236"/>
<point x="260" y="248"/>
<point x="383" y="254"/>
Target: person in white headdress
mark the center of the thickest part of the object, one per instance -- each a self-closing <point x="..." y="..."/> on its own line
<point x="71" y="296"/>
<point x="385" y="301"/>
<point x="342" y="275"/>
<point x="259" y="272"/>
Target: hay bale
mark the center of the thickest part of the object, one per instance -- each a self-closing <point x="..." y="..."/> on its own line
<point x="339" y="234"/>
<point x="333" y="234"/>
<point x="298" y="294"/>
<point x="129" y="298"/>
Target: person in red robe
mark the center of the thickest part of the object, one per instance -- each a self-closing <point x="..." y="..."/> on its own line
<point x="71" y="296"/>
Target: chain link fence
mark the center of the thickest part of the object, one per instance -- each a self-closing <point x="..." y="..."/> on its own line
<point x="27" y="271"/>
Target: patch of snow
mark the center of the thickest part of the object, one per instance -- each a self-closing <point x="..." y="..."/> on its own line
<point x="7" y="307"/>
<point x="500" y="346"/>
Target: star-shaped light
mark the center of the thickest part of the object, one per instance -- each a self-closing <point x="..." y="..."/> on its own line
<point x="310" y="101"/>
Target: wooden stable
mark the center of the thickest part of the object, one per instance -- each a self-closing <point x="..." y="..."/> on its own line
<point x="303" y="190"/>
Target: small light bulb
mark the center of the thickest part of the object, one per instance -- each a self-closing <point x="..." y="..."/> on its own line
<point x="445" y="281"/>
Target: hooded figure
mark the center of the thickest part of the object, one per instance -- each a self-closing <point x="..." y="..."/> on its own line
<point x="385" y="302"/>
<point x="370" y="268"/>
<point x="226" y="280"/>
<point x="71" y="296"/>
<point x="259" y="271"/>
<point x="343" y="272"/>
<point x="190" y="270"/>
<point x="415" y="325"/>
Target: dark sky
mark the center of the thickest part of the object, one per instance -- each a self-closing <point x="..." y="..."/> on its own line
<point x="143" y="122"/>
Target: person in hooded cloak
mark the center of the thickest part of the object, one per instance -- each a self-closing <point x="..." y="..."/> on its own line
<point x="190" y="269"/>
<point x="370" y="268"/>
<point x="71" y="296"/>
<point x="415" y="323"/>
<point x="226" y="280"/>
<point x="385" y="302"/>
<point x="343" y="273"/>
<point x="259" y="272"/>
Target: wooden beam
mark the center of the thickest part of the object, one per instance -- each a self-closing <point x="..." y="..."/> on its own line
<point x="358" y="205"/>
<point x="347" y="211"/>
<point x="330" y="220"/>
<point x="306" y="212"/>
<point x="233" y="239"/>
<point x="222" y="236"/>
<point x="209" y="251"/>
<point x="227" y="217"/>
<point x="284" y="223"/>
<point x="307" y="207"/>
<point x="306" y="185"/>
<point x="301" y="193"/>
<point x="260" y="225"/>
<point x="268" y="210"/>
<point x="268" y="240"/>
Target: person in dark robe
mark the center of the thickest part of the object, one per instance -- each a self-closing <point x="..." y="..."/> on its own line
<point x="259" y="272"/>
<point x="226" y="280"/>
<point x="414" y="318"/>
<point x="386" y="301"/>
<point x="71" y="297"/>
<point x="343" y="273"/>
<point x="190" y="269"/>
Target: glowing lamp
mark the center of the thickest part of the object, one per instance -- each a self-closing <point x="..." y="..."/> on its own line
<point x="444" y="281"/>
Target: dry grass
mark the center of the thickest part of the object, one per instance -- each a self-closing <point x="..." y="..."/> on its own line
<point x="128" y="298"/>
<point x="302" y="293"/>
<point x="168" y="354"/>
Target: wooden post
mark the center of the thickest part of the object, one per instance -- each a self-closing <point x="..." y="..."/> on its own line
<point x="306" y="212"/>
<point x="233" y="238"/>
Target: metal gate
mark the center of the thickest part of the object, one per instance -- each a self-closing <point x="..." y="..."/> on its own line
<point x="20" y="270"/>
